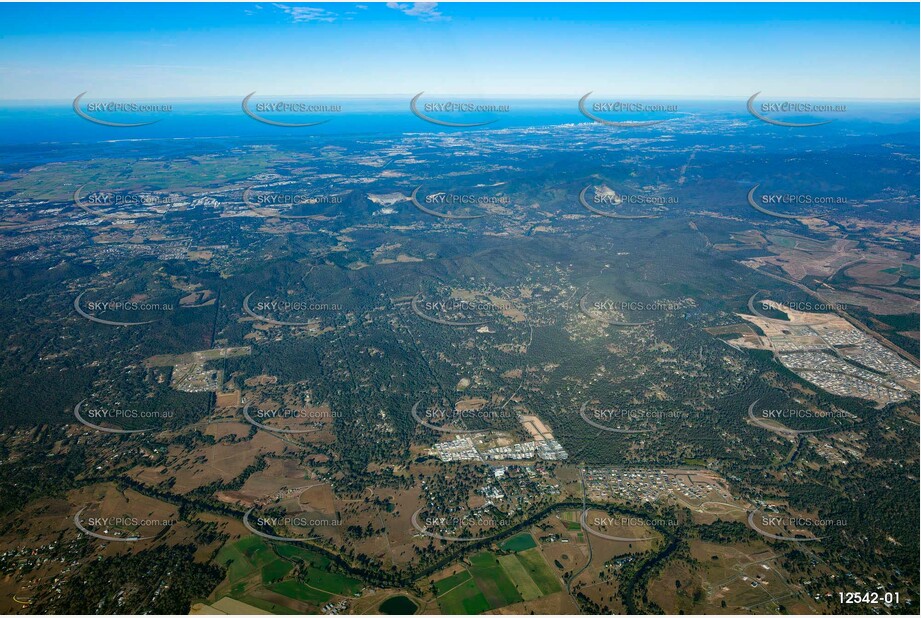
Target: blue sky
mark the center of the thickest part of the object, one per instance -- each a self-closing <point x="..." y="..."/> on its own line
<point x="54" y="52"/>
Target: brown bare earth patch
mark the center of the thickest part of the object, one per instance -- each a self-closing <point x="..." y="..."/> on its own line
<point x="228" y="400"/>
<point x="224" y="429"/>
<point x="281" y="478"/>
<point x="558" y="603"/>
<point x="200" y="298"/>
<point x="743" y="575"/>
<point x="199" y="357"/>
<point x="261" y="380"/>
<point x="676" y="588"/>
<point x="731" y="329"/>
<point x="473" y="403"/>
<point x="319" y="499"/>
<point x="209" y="463"/>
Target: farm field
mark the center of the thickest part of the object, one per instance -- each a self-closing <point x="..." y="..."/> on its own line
<point x="495" y="582"/>
<point x="257" y="570"/>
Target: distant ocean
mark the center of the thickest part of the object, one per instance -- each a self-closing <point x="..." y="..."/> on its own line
<point x="30" y="132"/>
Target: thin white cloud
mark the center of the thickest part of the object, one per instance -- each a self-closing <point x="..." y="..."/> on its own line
<point x="308" y="13"/>
<point x="425" y="11"/>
